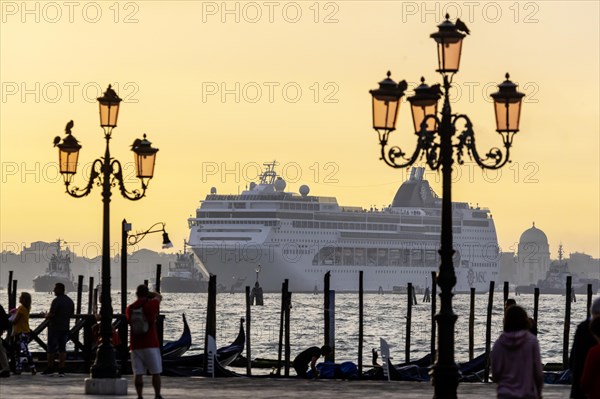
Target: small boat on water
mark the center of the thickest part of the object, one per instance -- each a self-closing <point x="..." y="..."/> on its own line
<point x="193" y="364"/>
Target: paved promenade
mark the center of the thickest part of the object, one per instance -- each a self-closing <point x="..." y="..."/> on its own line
<point x="71" y="387"/>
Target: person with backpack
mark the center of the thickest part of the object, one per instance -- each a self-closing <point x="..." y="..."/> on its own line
<point x="145" y="348"/>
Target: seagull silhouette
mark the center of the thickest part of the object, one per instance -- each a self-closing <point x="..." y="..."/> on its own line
<point x="56" y="140"/>
<point x="69" y="126"/>
<point x="403" y="85"/>
<point x="460" y="26"/>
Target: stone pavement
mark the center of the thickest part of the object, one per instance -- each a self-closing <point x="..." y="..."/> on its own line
<point x="70" y="387"/>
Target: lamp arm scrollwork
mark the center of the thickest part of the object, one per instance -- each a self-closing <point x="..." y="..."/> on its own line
<point x="133" y="239"/>
<point x="494" y="158"/>
<point x="95" y="173"/>
<point x="133" y="195"/>
<point x="427" y="142"/>
<point x="395" y="153"/>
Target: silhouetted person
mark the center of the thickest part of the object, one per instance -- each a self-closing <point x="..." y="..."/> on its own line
<point x="590" y="383"/>
<point x="427" y="295"/>
<point x="145" y="347"/>
<point x="59" y="316"/>
<point x="20" y="334"/>
<point x="309" y="357"/>
<point x="4" y="327"/>
<point x="375" y="356"/>
<point x="516" y="360"/>
<point x="509" y="302"/>
<point x="582" y="342"/>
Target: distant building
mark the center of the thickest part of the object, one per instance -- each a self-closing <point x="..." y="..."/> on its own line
<point x="508" y="267"/>
<point x="533" y="256"/>
<point x="584" y="265"/>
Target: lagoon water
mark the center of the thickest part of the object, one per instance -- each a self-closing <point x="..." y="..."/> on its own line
<point x="384" y="316"/>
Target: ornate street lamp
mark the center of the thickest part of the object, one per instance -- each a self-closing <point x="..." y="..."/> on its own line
<point x="106" y="172"/>
<point x="437" y="143"/>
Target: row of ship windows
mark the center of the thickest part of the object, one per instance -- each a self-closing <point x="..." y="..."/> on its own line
<point x="330" y="256"/>
<point x="297" y="224"/>
<point x="376" y="271"/>
<point x="197" y="222"/>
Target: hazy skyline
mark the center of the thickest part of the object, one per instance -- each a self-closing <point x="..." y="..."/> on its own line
<point x="221" y="88"/>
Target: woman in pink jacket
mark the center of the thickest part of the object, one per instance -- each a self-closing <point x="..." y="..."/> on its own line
<point x="516" y="360"/>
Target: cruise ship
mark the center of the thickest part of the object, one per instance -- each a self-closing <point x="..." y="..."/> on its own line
<point x="301" y="237"/>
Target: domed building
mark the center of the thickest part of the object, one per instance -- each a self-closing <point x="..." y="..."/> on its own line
<point x="533" y="256"/>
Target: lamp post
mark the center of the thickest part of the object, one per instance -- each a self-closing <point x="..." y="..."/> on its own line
<point x="437" y="143"/>
<point x="106" y="172"/>
<point x="133" y="239"/>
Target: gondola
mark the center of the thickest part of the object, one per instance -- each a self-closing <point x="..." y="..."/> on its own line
<point x="193" y="364"/>
<point x="174" y="349"/>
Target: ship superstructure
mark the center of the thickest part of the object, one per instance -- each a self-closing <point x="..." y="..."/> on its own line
<point x="301" y="237"/>
<point x="58" y="271"/>
<point x="184" y="275"/>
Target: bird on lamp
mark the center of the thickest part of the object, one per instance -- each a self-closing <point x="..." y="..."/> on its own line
<point x="56" y="140"/>
<point x="460" y="26"/>
<point x="69" y="126"/>
<point x="402" y="86"/>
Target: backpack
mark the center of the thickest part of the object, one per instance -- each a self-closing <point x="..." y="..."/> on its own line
<point x="138" y="322"/>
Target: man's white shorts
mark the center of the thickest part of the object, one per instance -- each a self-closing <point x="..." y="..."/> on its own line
<point x="146" y="359"/>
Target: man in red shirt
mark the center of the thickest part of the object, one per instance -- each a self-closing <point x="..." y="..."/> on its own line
<point x="590" y="383"/>
<point x="145" y="348"/>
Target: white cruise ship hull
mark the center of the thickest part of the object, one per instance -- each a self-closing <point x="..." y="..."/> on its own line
<point x="235" y="269"/>
<point x="302" y="237"/>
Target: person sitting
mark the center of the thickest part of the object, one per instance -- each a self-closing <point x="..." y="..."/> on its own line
<point x="310" y="356"/>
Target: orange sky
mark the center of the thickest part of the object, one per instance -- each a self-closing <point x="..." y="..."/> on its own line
<point x="221" y="89"/>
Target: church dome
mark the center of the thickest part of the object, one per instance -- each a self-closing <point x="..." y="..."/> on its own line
<point x="534" y="235"/>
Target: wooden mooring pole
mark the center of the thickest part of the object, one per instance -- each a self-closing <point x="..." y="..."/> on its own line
<point x="409" y="304"/>
<point x="157" y="278"/>
<point x="488" y="332"/>
<point x="567" y="325"/>
<point x="248" y="316"/>
<point x="361" y="320"/>
<point x="91" y="296"/>
<point x="433" y="310"/>
<point x="536" y="305"/>
<point x="287" y="346"/>
<point x="472" y="324"/>
<point x="9" y="289"/>
<point x="281" y="326"/>
<point x="589" y="301"/>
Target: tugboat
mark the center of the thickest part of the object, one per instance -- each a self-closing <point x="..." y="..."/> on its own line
<point x="184" y="275"/>
<point x="58" y="271"/>
<point x="556" y="278"/>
